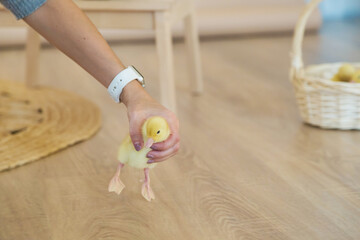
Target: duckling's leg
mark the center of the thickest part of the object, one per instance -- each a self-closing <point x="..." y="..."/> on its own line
<point x="116" y="184"/>
<point x="146" y="190"/>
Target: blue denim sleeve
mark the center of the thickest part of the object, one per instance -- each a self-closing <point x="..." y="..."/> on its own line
<point x="22" y="8"/>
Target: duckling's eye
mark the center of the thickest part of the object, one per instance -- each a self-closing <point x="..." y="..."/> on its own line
<point x="158" y="132"/>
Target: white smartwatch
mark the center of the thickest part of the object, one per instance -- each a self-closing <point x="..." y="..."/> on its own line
<point x="122" y="79"/>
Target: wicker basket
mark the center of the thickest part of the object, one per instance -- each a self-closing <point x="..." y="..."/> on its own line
<point x="322" y="102"/>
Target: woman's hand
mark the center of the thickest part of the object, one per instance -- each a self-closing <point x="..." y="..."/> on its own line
<point x="140" y="106"/>
<point x="64" y="25"/>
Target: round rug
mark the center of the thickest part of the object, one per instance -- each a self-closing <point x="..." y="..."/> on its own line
<point x="35" y="122"/>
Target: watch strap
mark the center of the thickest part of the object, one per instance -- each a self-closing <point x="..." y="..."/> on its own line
<point x="121" y="80"/>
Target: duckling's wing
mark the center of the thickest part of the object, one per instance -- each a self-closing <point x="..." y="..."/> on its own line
<point x="126" y="147"/>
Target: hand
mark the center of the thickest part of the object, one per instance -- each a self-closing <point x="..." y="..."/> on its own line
<point x="140" y="106"/>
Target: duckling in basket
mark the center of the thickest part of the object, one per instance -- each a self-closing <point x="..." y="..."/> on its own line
<point x="155" y="129"/>
<point x="344" y="74"/>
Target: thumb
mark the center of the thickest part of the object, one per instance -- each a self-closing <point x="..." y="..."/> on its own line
<point x="136" y="135"/>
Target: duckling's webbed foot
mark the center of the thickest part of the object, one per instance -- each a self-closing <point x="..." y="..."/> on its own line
<point x="116" y="185"/>
<point x="146" y="190"/>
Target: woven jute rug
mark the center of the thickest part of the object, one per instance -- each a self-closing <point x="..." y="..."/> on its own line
<point x="35" y="122"/>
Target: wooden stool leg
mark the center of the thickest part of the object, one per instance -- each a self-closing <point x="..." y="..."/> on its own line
<point x="193" y="51"/>
<point x="32" y="57"/>
<point x="165" y="56"/>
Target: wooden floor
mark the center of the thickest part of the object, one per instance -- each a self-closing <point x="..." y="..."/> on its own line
<point x="248" y="167"/>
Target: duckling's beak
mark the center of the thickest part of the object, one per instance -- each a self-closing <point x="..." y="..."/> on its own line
<point x="149" y="143"/>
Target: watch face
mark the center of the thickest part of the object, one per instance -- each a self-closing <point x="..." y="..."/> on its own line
<point x="141" y="80"/>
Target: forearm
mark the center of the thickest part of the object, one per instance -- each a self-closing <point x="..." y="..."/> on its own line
<point x="65" y="26"/>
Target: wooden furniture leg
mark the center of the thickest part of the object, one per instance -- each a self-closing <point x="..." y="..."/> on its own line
<point x="193" y="52"/>
<point x="32" y="57"/>
<point x="165" y="56"/>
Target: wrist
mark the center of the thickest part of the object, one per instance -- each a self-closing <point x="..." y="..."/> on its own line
<point x="132" y="92"/>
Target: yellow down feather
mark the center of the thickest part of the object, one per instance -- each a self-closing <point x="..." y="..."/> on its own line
<point x="154" y="127"/>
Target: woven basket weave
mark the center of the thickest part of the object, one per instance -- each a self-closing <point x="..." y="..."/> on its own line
<point x="322" y="102"/>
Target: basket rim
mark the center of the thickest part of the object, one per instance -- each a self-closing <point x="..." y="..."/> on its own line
<point x="311" y="83"/>
<point x="306" y="77"/>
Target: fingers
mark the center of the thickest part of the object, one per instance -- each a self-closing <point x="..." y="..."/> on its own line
<point x="174" y="137"/>
<point x="137" y="116"/>
<point x="171" y="141"/>
<point x="170" y="146"/>
<point x="159" y="156"/>
<point x="135" y="133"/>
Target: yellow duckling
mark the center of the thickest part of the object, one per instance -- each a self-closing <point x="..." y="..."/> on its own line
<point x="345" y="73"/>
<point x="336" y="78"/>
<point x="155" y="129"/>
<point x="356" y="77"/>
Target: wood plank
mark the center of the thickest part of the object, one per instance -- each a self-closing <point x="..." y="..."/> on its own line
<point x="193" y="52"/>
<point x="32" y="57"/>
<point x="108" y="18"/>
<point x="165" y="56"/>
<point x="180" y="9"/>
<point x="125" y="5"/>
<point x="8" y="20"/>
<point x="122" y="20"/>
